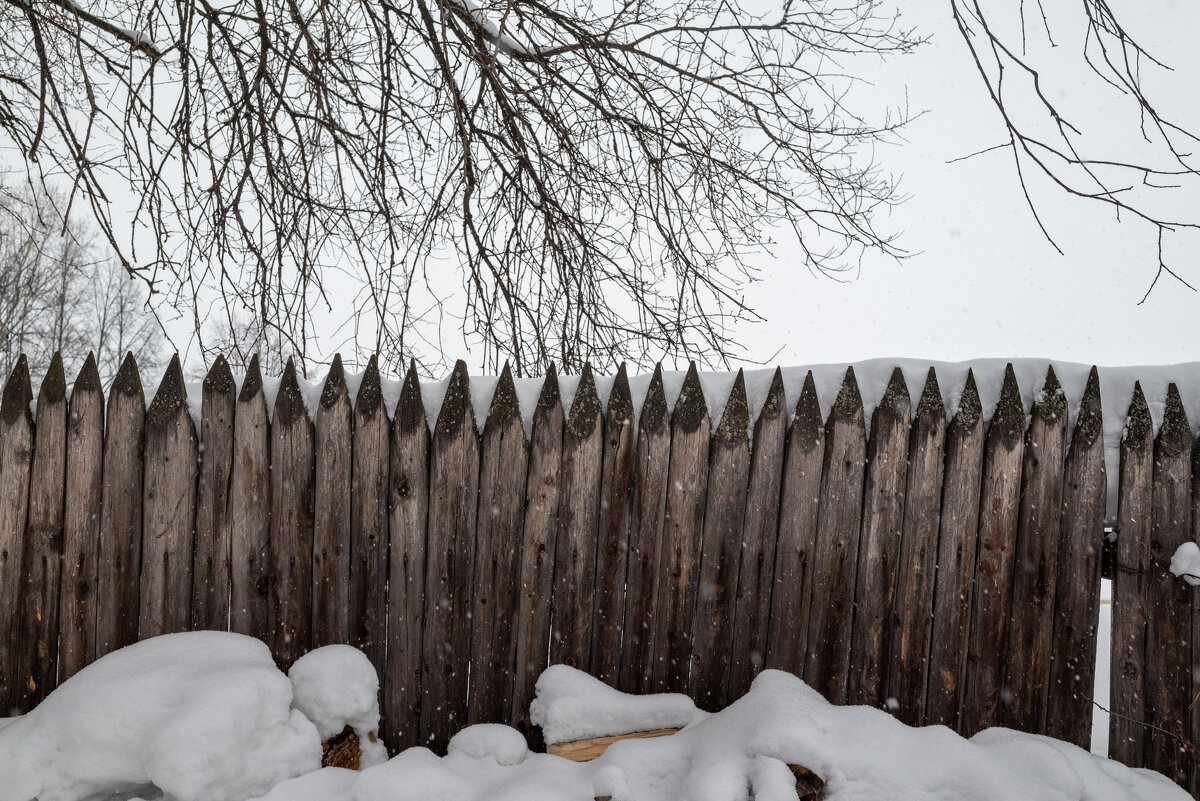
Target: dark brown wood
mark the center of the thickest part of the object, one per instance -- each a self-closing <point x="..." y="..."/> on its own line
<point x="1130" y="588"/>
<point x="168" y="525"/>
<point x="1039" y="530"/>
<point x="369" y="522"/>
<point x="721" y="553"/>
<point x="879" y="547"/>
<point x="683" y="531"/>
<point x="43" y="552"/>
<point x="912" y="610"/>
<point x="799" y="503"/>
<point x="612" y="550"/>
<point x="81" y="523"/>
<point x="752" y="608"/>
<point x="290" y="547"/>
<point x="16" y="454"/>
<point x="495" y="588"/>
<point x="835" y="554"/>
<point x="1077" y="589"/>
<point x="453" y="493"/>
<point x="214" y="525"/>
<point x="653" y="455"/>
<point x="250" y="510"/>
<point x="959" y="530"/>
<point x="578" y="523"/>
<point x="117" y="570"/>
<point x="991" y="604"/>
<point x="1194" y="707"/>
<point x="331" y="511"/>
<point x="408" y="494"/>
<point x="1169" y="610"/>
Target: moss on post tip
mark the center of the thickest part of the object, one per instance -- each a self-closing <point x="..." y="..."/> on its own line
<point x="370" y="392"/>
<point x="586" y="411"/>
<point x="219" y="379"/>
<point x="456" y="405"/>
<point x="252" y="383"/>
<point x="1090" y="425"/>
<point x="410" y="410"/>
<point x="654" y="414"/>
<point x="335" y="390"/>
<point x="808" y="426"/>
<point x="1175" y="435"/>
<point x="289" y="402"/>
<point x="18" y="393"/>
<point x="1008" y="423"/>
<point x="735" y="419"/>
<point x="931" y="407"/>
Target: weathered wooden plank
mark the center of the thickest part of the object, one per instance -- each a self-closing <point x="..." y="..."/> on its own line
<point x="501" y="516"/>
<point x="214" y="525"/>
<point x="612" y="551"/>
<point x="43" y="551"/>
<point x="760" y="530"/>
<point x="117" y="577"/>
<point x="369" y="522"/>
<point x="331" y="511"/>
<point x="653" y="455"/>
<point x="1169" y="611"/>
<point x="879" y="548"/>
<point x="453" y="492"/>
<point x="721" y="553"/>
<point x="1130" y="588"/>
<point x="290" y="546"/>
<point x="799" y="503"/>
<point x="169" y="504"/>
<point x="991" y="604"/>
<point x="1077" y="589"/>
<point x="16" y="455"/>
<point x="408" y="493"/>
<point x="250" y="510"/>
<point x="81" y="523"/>
<point x="578" y="524"/>
<point x="1039" y="530"/>
<point x="1194" y="707"/>
<point x="835" y="554"/>
<point x="959" y="531"/>
<point x="683" y="531"/>
<point x="912" y="611"/>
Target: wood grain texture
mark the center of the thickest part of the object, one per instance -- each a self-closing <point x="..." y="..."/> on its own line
<point x="81" y="524"/>
<point x="16" y="456"/>
<point x="912" y="610"/>
<point x="835" y="554"/>
<point x="450" y="561"/>
<point x="331" y="511"/>
<point x="991" y="604"/>
<point x="168" y="509"/>
<point x="653" y="460"/>
<point x="369" y="521"/>
<point x="1077" y="589"/>
<point x="496" y="586"/>
<point x="879" y="547"/>
<point x="683" y="530"/>
<point x="1169" y="610"/>
<point x="587" y="750"/>
<point x="799" y="504"/>
<point x="290" y="547"/>
<point x="721" y="553"/>
<point x="1035" y="572"/>
<point x="250" y="510"/>
<point x="537" y="549"/>
<point x="119" y="564"/>
<point x="408" y="495"/>
<point x="957" y="543"/>
<point x="43" y="552"/>
<point x="573" y="598"/>
<point x="1130" y="588"/>
<point x="760" y="530"/>
<point x="612" y="547"/>
<point x="214" y="523"/>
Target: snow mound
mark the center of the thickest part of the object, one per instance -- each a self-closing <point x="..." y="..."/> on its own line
<point x="571" y="705"/>
<point x="503" y="744"/>
<point x="1185" y="563"/>
<point x="336" y="686"/>
<point x="201" y="716"/>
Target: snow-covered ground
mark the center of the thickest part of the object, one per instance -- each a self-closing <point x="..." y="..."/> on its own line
<point x="205" y="716"/>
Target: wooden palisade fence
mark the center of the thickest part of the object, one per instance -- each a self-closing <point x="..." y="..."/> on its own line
<point x="946" y="570"/>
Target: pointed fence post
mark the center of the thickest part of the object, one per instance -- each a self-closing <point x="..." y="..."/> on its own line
<point x="81" y="524"/>
<point x="117" y="578"/>
<point x="331" y="512"/>
<point x="369" y="522"/>
<point x="214" y="526"/>
<point x="721" y="553"/>
<point x="250" y="510"/>
<point x="495" y="589"/>
<point x="683" y="532"/>
<point x="835" y="556"/>
<point x="16" y="453"/>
